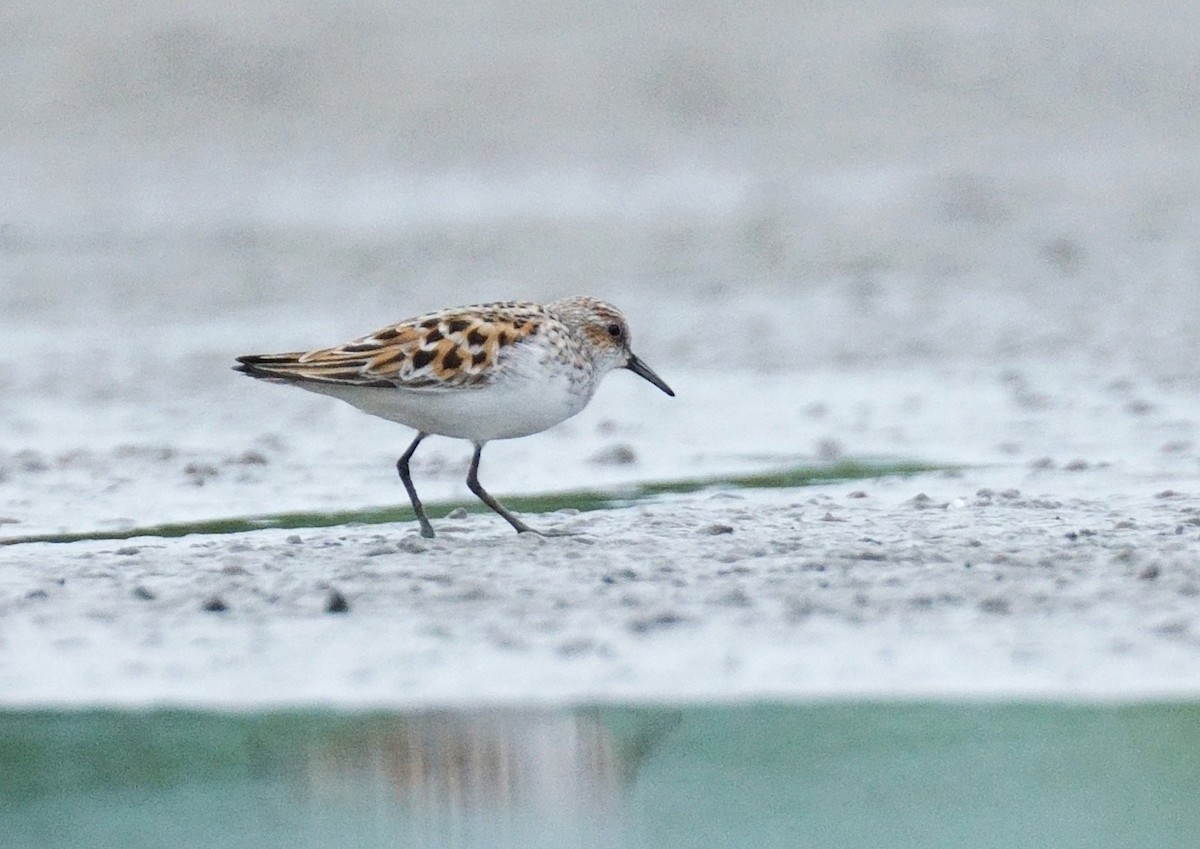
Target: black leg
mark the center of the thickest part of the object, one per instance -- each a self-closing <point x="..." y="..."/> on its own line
<point x="473" y="484"/>
<point x="406" y="478"/>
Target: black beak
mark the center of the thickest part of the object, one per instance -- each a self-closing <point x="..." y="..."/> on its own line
<point x="642" y="370"/>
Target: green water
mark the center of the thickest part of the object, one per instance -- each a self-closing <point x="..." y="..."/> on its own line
<point x="837" y="775"/>
<point x="576" y="499"/>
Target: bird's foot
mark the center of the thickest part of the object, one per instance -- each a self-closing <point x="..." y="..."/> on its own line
<point x="554" y="533"/>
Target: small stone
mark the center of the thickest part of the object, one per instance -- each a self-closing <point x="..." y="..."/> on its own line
<point x="1149" y="573"/>
<point x="251" y="458"/>
<point x="457" y="513"/>
<point x="1077" y="465"/>
<point x="128" y="551"/>
<point x="294" y="539"/>
<point x="921" y="501"/>
<point x="336" y="603"/>
<point x="1167" y="493"/>
<point x="614" y="455"/>
<point x="998" y="606"/>
<point x="143" y="594"/>
<point x="858" y="493"/>
<point x="412" y="545"/>
<point x="718" y="529"/>
<point x="215" y="604"/>
<point x="37" y="595"/>
<point x="654" y="623"/>
<point x="199" y="472"/>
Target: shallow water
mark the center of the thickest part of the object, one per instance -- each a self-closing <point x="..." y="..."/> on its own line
<point x="571" y="500"/>
<point x="836" y="774"/>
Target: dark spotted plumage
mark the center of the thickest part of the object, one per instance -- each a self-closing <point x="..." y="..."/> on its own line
<point x="451" y="360"/>
<point x="457" y="348"/>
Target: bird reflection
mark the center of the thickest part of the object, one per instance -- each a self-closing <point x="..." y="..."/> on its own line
<point x="491" y="778"/>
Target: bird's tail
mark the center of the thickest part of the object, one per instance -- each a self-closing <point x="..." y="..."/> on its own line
<point x="298" y="367"/>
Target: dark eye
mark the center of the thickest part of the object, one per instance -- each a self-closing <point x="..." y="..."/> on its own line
<point x="614" y="330"/>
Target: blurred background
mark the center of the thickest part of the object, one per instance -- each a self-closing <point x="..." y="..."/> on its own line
<point x="764" y="188"/>
<point x="387" y="157"/>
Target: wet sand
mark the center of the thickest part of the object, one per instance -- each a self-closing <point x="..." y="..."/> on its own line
<point x="969" y="241"/>
<point x="936" y="586"/>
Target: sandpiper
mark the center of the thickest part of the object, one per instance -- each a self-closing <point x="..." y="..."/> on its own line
<point x="484" y="372"/>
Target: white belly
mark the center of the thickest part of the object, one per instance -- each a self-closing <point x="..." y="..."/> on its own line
<point x="502" y="410"/>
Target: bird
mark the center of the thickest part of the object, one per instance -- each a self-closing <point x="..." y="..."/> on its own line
<point x="482" y="372"/>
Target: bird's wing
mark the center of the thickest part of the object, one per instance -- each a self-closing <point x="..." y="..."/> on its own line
<point x="452" y="349"/>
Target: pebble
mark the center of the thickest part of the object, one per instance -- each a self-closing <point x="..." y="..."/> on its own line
<point x="998" y="606"/>
<point x="644" y="625"/>
<point x="336" y="603"/>
<point x="614" y="455"/>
